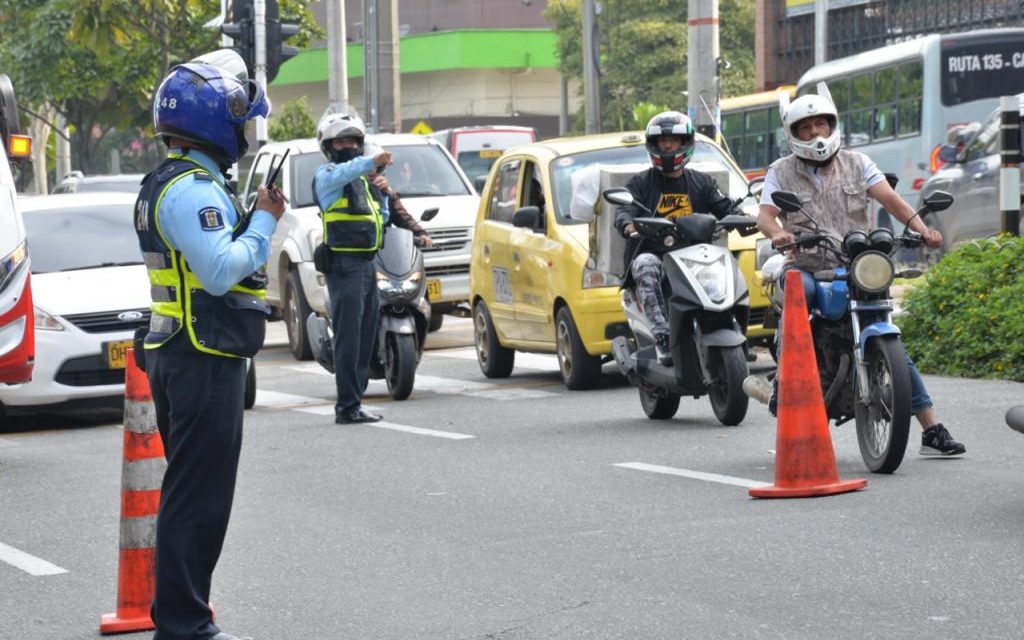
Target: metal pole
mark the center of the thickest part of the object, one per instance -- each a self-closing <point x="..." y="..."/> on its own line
<point x="337" y="49"/>
<point x="260" y="26"/>
<point x="591" y="87"/>
<point x="702" y="65"/>
<point x="820" y="31"/>
<point x="371" y="82"/>
<point x="389" y="103"/>
<point x="1009" y="173"/>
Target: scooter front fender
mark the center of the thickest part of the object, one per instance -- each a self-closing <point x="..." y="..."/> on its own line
<point x="875" y="330"/>
<point x="721" y="338"/>
<point x="403" y="324"/>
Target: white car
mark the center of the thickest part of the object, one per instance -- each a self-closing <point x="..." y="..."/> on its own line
<point x="90" y="292"/>
<point x="425" y="176"/>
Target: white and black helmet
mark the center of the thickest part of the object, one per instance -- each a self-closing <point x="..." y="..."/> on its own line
<point x="669" y="123"/>
<point x="339" y="125"/>
<point x="808" y="106"/>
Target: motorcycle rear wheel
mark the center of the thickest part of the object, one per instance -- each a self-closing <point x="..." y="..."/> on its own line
<point x="883" y="425"/>
<point x="728" y="370"/>
<point x="658" y="405"/>
<point x="400" y="364"/>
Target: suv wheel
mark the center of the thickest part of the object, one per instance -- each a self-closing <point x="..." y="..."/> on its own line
<point x="296" y="310"/>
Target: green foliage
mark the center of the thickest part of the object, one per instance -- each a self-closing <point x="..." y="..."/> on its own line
<point x="643" y="45"/>
<point x="292" y="121"/>
<point x="967" y="319"/>
<point x="643" y="112"/>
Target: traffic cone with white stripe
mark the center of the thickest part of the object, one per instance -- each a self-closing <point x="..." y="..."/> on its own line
<point x="142" y="471"/>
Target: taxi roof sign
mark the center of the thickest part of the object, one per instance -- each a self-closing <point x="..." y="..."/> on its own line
<point x="421" y="128"/>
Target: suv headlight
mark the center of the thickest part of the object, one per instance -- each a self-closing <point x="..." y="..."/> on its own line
<point x="711" y="277"/>
<point x="45" y="321"/>
<point x="872" y="272"/>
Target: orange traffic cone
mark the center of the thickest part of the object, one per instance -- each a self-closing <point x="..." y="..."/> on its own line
<point x="805" y="465"/>
<point x="141" y="474"/>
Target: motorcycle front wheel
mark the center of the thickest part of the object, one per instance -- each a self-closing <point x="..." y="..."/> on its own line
<point x="658" y="405"/>
<point x="883" y="424"/>
<point x="728" y="371"/>
<point x="400" y="364"/>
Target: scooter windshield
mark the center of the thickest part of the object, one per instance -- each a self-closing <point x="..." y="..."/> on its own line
<point x="397" y="257"/>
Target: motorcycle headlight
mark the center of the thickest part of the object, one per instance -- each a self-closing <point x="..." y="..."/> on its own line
<point x="872" y="272"/>
<point x="393" y="287"/>
<point x="45" y="321"/>
<point x="711" y="277"/>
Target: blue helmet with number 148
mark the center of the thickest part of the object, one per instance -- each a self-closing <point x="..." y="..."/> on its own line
<point x="207" y="101"/>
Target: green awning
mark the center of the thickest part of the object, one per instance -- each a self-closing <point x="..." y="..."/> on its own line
<point x="439" y="51"/>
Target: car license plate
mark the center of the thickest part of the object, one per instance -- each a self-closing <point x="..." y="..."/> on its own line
<point x="433" y="289"/>
<point x="490" y="153"/>
<point x="115" y="353"/>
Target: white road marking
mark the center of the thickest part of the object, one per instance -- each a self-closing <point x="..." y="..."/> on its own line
<point x="7" y="443"/>
<point x="28" y="563"/>
<point x="539" y="361"/>
<point x="696" y="475"/>
<point x="417" y="430"/>
<point x="328" y="409"/>
<point x="266" y="398"/>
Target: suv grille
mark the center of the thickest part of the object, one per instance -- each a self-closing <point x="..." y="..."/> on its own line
<point x="447" y="239"/>
<point x="447" y="270"/>
<point x="88" y="371"/>
<point x="107" y="321"/>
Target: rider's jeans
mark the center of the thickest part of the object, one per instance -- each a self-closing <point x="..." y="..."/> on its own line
<point x="919" y="398"/>
<point x="646" y="269"/>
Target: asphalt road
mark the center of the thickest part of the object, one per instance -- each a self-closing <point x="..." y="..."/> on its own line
<point x="514" y="509"/>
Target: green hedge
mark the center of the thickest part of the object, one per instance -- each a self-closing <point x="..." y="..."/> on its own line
<point x="967" y="318"/>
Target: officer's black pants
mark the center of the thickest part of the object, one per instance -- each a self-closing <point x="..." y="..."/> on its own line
<point x="352" y="285"/>
<point x="199" y="404"/>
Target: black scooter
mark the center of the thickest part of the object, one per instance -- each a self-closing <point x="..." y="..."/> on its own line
<point x="404" y="314"/>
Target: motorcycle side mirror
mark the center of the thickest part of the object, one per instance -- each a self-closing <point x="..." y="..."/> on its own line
<point x="429" y="214"/>
<point x="892" y="179"/>
<point x="910" y="273"/>
<point x="479" y="182"/>
<point x="787" y="201"/>
<point x="755" y="187"/>
<point x="938" y="201"/>
<point x="618" y="195"/>
<point x="948" y="153"/>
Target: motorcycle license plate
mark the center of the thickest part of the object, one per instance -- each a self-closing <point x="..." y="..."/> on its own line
<point x="115" y="353"/>
<point x="433" y="289"/>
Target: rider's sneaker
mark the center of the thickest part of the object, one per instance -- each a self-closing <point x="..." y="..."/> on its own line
<point x="758" y="388"/>
<point x="936" y="441"/>
<point x="662" y="349"/>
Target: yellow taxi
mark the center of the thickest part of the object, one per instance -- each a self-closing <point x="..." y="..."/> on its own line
<point x="534" y="283"/>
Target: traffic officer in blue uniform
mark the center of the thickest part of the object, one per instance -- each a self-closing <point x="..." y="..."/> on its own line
<point x="354" y="212"/>
<point x="205" y="260"/>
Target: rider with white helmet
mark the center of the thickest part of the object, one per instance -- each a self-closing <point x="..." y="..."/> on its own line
<point x="834" y="185"/>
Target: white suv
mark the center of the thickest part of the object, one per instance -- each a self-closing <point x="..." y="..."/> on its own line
<point x="424" y="175"/>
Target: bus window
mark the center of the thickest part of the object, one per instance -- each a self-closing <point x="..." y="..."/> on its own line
<point x="910" y="87"/>
<point x="751" y="127"/>
<point x="885" y="99"/>
<point x="860" y="110"/>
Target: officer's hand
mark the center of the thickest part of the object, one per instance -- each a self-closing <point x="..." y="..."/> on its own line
<point x="629" y="231"/>
<point x="932" y="238"/>
<point x="783" y="237"/>
<point x="382" y="158"/>
<point x="380" y="182"/>
<point x="271" y="200"/>
<point x="426" y="240"/>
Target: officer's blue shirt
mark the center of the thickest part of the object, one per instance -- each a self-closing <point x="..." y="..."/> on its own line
<point x="331" y="178"/>
<point x="197" y="217"/>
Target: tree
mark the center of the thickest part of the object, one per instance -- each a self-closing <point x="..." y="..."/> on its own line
<point x="97" y="62"/>
<point x="643" y="46"/>
<point x="293" y="121"/>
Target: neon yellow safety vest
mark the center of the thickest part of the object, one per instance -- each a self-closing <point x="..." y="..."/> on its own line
<point x="354" y="223"/>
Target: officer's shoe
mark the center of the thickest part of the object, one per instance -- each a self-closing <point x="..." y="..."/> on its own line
<point x="663" y="350"/>
<point x="936" y="441"/>
<point x="356" y="416"/>
<point x="228" y="636"/>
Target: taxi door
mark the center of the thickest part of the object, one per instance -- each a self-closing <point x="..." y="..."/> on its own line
<point x="533" y="252"/>
<point x="492" y="258"/>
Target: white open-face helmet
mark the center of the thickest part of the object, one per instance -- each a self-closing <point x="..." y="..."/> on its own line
<point x="339" y="125"/>
<point x="808" y="106"/>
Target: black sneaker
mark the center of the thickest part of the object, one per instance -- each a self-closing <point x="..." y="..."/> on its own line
<point x="663" y="350"/>
<point x="936" y="441"/>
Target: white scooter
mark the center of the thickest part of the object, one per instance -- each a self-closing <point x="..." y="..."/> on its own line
<point x="707" y="306"/>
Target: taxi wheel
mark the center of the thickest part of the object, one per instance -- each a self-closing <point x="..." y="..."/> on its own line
<point x="495" y="360"/>
<point x="436" y="320"/>
<point x="296" y="310"/>
<point x="579" y="369"/>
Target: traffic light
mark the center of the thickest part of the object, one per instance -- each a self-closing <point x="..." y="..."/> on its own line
<point x="242" y="30"/>
<point x="277" y="33"/>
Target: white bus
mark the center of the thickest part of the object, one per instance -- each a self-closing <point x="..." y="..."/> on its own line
<point x="897" y="102"/>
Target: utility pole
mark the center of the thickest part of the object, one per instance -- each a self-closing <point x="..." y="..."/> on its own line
<point x="702" y="66"/>
<point x="337" y="50"/>
<point x="591" y="82"/>
<point x="389" y="76"/>
<point x="260" y="27"/>
<point x="371" y="114"/>
<point x="820" y="31"/>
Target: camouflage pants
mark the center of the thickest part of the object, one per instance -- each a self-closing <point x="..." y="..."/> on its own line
<point x="646" y="269"/>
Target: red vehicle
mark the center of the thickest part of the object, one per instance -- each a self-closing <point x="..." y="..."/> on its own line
<point x="17" y="323"/>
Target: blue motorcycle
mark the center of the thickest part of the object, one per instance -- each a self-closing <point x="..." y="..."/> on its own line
<point x="862" y="363"/>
